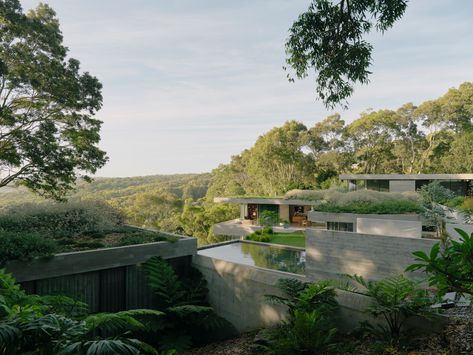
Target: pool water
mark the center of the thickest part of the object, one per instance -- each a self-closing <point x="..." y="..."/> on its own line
<point x="265" y="256"/>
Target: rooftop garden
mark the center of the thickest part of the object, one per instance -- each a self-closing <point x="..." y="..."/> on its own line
<point x="28" y="231"/>
<point x="362" y="201"/>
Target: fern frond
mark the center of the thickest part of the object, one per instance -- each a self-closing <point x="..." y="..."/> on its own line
<point x="164" y="281"/>
<point x="9" y="337"/>
<point x="112" y="322"/>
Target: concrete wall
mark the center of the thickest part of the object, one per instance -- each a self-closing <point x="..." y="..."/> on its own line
<point x="402" y="185"/>
<point x="234" y="229"/>
<point x="98" y="259"/>
<point x="237" y="293"/>
<point x="316" y="216"/>
<point x="397" y="228"/>
<point x="331" y="253"/>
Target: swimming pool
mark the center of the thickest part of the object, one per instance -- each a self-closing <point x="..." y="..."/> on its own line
<point x="265" y="256"/>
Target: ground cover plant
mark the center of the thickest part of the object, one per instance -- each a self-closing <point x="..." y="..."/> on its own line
<point x="30" y="230"/>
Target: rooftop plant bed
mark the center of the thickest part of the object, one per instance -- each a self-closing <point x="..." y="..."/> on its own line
<point x="29" y="231"/>
<point x="362" y="202"/>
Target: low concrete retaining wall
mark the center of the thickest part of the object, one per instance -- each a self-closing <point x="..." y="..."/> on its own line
<point x="331" y="253"/>
<point x="237" y="293"/>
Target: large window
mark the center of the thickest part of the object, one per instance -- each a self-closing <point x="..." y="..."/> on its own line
<point x="378" y="185"/>
<point x="340" y="226"/>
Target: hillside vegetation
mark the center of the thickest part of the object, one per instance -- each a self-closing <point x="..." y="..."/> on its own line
<point x="433" y="137"/>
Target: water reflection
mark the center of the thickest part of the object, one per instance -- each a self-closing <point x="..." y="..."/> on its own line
<point x="288" y="260"/>
<point x="275" y="258"/>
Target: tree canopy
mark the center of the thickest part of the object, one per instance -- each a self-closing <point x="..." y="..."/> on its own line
<point x="329" y="39"/>
<point x="48" y="133"/>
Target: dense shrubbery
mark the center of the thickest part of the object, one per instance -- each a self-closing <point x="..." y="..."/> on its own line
<point x="60" y="219"/>
<point x="33" y="324"/>
<point x="310" y="326"/>
<point x="23" y="246"/>
<point x="261" y="235"/>
<point x="28" y="231"/>
<point x="362" y="201"/>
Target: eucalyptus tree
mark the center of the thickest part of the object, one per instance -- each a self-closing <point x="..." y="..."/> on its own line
<point x="48" y="132"/>
<point x="329" y="40"/>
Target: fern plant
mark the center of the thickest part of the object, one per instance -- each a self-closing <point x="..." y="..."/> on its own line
<point x="311" y="310"/>
<point x="395" y="300"/>
<point x="56" y="325"/>
<point x="189" y="319"/>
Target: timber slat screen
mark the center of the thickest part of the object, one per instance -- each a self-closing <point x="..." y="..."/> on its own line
<point x="108" y="290"/>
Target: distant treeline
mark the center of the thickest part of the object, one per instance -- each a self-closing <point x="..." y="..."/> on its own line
<point x="433" y="137"/>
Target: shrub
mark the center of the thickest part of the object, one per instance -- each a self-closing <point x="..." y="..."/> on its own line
<point x="456" y="202"/>
<point x="60" y="219"/>
<point x="467" y="205"/>
<point x="309" y="329"/>
<point x="449" y="268"/>
<point x="361" y="201"/>
<point x="269" y="218"/>
<point x="258" y="237"/>
<point x="24" y="246"/>
<point x="395" y="300"/>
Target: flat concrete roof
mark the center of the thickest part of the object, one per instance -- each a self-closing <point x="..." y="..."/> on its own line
<point x="263" y="201"/>
<point x="406" y="176"/>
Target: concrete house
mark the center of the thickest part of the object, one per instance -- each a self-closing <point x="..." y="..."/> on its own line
<point x="460" y="184"/>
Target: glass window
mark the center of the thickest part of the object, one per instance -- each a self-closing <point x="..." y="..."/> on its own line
<point x="378" y="185"/>
<point x="340" y="226"/>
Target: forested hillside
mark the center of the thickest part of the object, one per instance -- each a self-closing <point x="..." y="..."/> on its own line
<point x="433" y="137"/>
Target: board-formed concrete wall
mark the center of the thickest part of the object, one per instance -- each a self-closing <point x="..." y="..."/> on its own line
<point x="397" y="228"/>
<point x="450" y="227"/>
<point x="331" y="253"/>
<point x="236" y="293"/>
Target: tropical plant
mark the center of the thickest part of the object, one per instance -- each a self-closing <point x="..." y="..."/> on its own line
<point x="394" y="300"/>
<point x="59" y="325"/>
<point x="269" y="218"/>
<point x="188" y="318"/>
<point x="450" y="268"/>
<point x="309" y="328"/>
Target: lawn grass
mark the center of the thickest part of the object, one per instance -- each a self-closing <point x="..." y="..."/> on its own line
<point x="291" y="239"/>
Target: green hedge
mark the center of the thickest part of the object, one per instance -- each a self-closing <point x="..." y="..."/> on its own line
<point x="24" y="246"/>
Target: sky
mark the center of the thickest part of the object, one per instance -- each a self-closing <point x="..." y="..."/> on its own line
<point x="187" y="84"/>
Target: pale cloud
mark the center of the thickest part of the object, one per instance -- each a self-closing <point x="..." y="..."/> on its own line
<point x="189" y="83"/>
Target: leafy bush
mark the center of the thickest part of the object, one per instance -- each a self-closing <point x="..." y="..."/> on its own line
<point x="188" y="318"/>
<point x="263" y="238"/>
<point x="311" y="308"/>
<point x="60" y="219"/>
<point x="467" y="205"/>
<point x="457" y="201"/>
<point x="33" y="324"/>
<point x="24" y="246"/>
<point x="394" y="301"/>
<point x="361" y="201"/>
<point x="269" y="218"/>
<point x="450" y="268"/>
<point x="142" y="237"/>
